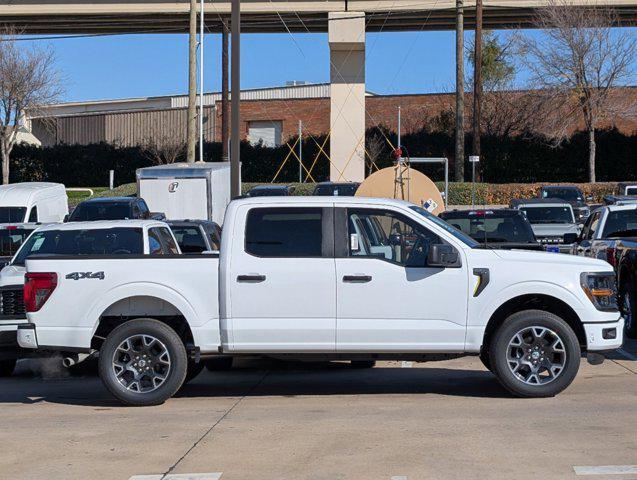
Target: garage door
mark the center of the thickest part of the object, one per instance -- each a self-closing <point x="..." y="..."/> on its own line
<point x="268" y="132"/>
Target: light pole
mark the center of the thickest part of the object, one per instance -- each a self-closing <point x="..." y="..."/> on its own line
<point x="235" y="139"/>
<point x="201" y="39"/>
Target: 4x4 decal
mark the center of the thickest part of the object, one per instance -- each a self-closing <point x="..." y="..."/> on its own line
<point x="81" y="275"/>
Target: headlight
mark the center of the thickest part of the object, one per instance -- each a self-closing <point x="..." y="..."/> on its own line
<point x="601" y="289"/>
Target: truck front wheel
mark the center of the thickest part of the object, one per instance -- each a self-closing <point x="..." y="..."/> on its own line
<point x="143" y="362"/>
<point x="628" y="302"/>
<point x="535" y="354"/>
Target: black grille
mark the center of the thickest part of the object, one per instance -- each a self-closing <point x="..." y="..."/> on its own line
<point x="12" y="302"/>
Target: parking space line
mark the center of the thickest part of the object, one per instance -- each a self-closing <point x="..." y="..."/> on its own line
<point x="607" y="470"/>
<point x="628" y="355"/>
<point x="399" y="477"/>
<point x="179" y="476"/>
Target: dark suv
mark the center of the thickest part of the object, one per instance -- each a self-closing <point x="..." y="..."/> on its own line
<point x="113" y="208"/>
<point x="572" y="195"/>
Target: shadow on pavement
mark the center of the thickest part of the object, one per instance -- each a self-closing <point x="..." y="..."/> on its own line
<point x="288" y="379"/>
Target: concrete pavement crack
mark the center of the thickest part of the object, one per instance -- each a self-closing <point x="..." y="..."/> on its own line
<point x="623" y="366"/>
<point x="209" y="431"/>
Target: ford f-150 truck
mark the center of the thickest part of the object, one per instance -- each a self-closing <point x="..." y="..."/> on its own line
<point x="325" y="278"/>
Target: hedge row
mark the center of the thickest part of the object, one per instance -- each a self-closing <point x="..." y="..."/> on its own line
<point x="486" y="194"/>
<point x="519" y="159"/>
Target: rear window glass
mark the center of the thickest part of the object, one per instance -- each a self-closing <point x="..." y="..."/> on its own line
<point x="101" y="211"/>
<point x="548" y="214"/>
<point x="12" y="214"/>
<point x="104" y="241"/>
<point x="190" y="239"/>
<point x="284" y="232"/>
<point x="11" y="240"/>
<point x="493" y="227"/>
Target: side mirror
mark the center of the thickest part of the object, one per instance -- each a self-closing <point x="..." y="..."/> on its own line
<point x="442" y="255"/>
<point x="570" y="238"/>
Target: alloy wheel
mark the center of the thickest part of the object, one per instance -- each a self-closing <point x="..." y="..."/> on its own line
<point x="536" y="355"/>
<point x="141" y="363"/>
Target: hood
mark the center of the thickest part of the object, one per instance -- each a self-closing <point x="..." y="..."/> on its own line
<point x="556" y="259"/>
<point x="12" y="275"/>
<point x="551" y="229"/>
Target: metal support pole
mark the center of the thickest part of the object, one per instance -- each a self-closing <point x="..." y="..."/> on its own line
<point x="477" y="82"/>
<point x="300" y="151"/>
<point x="399" y="126"/>
<point x="201" y="40"/>
<point x="235" y="160"/>
<point x="191" y="122"/>
<point x="446" y="182"/>
<point x="473" y="184"/>
<point x="225" y="112"/>
<point x="459" y="150"/>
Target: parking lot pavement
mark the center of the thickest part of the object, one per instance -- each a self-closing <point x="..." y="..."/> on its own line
<point x="446" y="420"/>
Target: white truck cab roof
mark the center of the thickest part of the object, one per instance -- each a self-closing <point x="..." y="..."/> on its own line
<point x="324" y="201"/>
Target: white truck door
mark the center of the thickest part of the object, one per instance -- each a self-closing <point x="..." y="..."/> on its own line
<point x="282" y="280"/>
<point x="388" y="300"/>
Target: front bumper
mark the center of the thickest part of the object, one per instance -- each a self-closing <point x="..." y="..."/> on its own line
<point x="599" y="335"/>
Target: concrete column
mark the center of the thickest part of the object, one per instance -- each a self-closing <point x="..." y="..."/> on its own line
<point x="346" y="34"/>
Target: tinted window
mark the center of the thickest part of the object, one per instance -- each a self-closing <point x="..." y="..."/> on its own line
<point x="284" y="232"/>
<point x="335" y="190"/>
<point x="569" y="194"/>
<point x="33" y="216"/>
<point x="631" y="190"/>
<point x="11" y="239"/>
<point x="101" y="211"/>
<point x="154" y="242"/>
<point x="143" y="208"/>
<point x="621" y="223"/>
<point x="12" y="214"/>
<point x="189" y="238"/>
<point x="548" y="214"/>
<point x="268" y="192"/>
<point x="387" y="235"/>
<point x="104" y="241"/>
<point x="491" y="227"/>
<point x="167" y="240"/>
<point x="215" y="237"/>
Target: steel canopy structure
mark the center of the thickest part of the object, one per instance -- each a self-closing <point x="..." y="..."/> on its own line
<point x="157" y="16"/>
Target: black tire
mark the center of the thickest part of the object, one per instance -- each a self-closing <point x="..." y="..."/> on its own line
<point x="219" y="364"/>
<point x="567" y="361"/>
<point x="628" y="305"/>
<point x="485" y="358"/>
<point x="167" y="342"/>
<point x="7" y="367"/>
<point x="194" y="369"/>
<point x="363" y="363"/>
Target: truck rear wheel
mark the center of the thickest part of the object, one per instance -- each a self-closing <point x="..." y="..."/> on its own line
<point x="7" y="367"/>
<point x="535" y="354"/>
<point x="143" y="362"/>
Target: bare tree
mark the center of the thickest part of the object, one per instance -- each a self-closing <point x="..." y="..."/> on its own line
<point x="164" y="146"/>
<point x="29" y="80"/>
<point x="575" y="65"/>
<point x="375" y="147"/>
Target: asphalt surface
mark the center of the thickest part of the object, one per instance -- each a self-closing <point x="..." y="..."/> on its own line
<point x="267" y="420"/>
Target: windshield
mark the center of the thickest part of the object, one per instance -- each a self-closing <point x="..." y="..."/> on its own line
<point x="548" y="214"/>
<point x="11" y="239"/>
<point x="621" y="223"/>
<point x="336" y="190"/>
<point x="493" y="228"/>
<point x="12" y="214"/>
<point x="466" y="239"/>
<point x="101" y="211"/>
<point x="569" y="194"/>
<point x="104" y="241"/>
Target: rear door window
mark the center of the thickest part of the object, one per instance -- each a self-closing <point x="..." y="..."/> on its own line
<point x="154" y="242"/>
<point x="284" y="232"/>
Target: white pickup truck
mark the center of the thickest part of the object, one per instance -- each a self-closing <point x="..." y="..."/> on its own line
<point x="331" y="278"/>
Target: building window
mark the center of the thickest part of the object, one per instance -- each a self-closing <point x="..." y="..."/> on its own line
<point x="265" y="131"/>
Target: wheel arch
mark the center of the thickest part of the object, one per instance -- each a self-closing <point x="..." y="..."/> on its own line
<point x="534" y="301"/>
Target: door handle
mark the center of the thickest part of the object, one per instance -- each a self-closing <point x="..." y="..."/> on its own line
<point x="357" y="278"/>
<point x="251" y="278"/>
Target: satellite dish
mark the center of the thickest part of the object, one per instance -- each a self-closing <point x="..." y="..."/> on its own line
<point x="403" y="183"/>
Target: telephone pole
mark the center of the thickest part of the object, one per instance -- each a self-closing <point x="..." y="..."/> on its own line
<point x="225" y="112"/>
<point x="477" y="84"/>
<point x="459" y="150"/>
<point x="191" y="125"/>
<point x="235" y="135"/>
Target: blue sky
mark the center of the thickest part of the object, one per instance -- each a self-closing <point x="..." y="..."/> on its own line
<point x="147" y="65"/>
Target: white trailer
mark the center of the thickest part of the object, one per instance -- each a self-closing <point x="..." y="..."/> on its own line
<point x="194" y="191"/>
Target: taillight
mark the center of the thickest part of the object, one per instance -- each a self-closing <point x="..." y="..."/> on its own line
<point x="611" y="256"/>
<point x="38" y="287"/>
